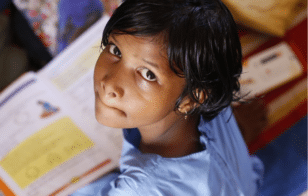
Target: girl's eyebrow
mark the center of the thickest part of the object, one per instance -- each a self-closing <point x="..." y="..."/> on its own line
<point x="146" y="61"/>
<point x="151" y="63"/>
<point x="114" y="38"/>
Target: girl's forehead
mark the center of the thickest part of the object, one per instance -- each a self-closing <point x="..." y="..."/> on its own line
<point x="146" y="45"/>
<point x="156" y="39"/>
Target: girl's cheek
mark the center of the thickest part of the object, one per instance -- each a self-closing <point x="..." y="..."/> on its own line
<point x="143" y="85"/>
<point x="104" y="64"/>
<point x="99" y="63"/>
<point x="146" y="86"/>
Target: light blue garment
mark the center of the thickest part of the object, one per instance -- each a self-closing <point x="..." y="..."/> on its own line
<point x="97" y="187"/>
<point x="222" y="168"/>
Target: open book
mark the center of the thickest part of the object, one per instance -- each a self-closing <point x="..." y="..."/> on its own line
<point x="50" y="142"/>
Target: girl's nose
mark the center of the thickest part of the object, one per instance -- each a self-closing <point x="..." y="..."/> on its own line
<point x="111" y="89"/>
<point x="113" y="85"/>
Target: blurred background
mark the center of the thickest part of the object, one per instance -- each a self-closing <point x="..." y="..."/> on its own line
<point x="33" y="32"/>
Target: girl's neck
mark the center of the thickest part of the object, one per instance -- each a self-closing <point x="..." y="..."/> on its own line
<point x="180" y="139"/>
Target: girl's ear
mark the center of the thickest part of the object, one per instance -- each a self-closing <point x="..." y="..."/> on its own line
<point x="189" y="104"/>
<point x="200" y="95"/>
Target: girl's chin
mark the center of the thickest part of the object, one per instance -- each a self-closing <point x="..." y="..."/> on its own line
<point x="114" y="123"/>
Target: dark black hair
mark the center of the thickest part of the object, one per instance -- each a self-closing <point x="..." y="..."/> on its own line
<point x="201" y="40"/>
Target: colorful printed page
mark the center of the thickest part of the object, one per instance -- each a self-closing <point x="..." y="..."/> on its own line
<point x="47" y="147"/>
<point x="269" y="69"/>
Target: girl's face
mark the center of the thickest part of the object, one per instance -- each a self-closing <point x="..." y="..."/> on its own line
<point x="134" y="85"/>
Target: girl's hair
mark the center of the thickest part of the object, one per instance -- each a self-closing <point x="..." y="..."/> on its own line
<point x="202" y="45"/>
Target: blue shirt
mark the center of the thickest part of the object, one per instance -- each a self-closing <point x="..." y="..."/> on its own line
<point x="224" y="167"/>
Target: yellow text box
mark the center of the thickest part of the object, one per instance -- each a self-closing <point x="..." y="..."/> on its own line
<point x="45" y="150"/>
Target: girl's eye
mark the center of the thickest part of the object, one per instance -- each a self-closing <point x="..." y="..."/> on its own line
<point x="147" y="74"/>
<point x="113" y="49"/>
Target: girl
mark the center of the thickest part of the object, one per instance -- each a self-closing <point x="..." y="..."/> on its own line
<point x="167" y="75"/>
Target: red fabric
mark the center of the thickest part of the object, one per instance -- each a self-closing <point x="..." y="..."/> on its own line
<point x="297" y="39"/>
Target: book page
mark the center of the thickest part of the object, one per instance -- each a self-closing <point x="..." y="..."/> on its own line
<point x="269" y="69"/>
<point x="47" y="147"/>
<point x="77" y="59"/>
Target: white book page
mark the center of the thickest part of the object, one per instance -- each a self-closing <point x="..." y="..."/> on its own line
<point x="77" y="59"/>
<point x="269" y="69"/>
<point x="46" y="146"/>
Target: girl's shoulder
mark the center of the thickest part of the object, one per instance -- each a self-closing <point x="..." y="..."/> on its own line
<point x="195" y="174"/>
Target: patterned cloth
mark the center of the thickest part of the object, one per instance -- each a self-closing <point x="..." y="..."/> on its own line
<point x="58" y="22"/>
<point x="43" y="18"/>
